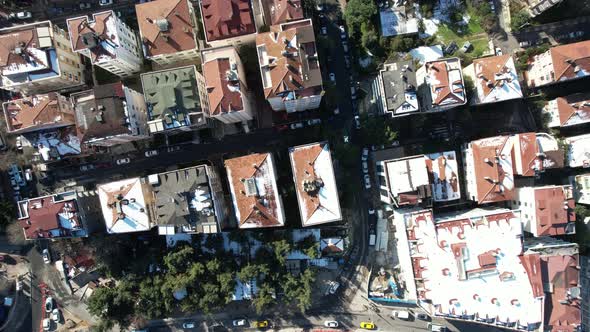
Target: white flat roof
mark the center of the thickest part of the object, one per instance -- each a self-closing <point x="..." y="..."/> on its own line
<point x="123" y="206"/>
<point x="579" y="151"/>
<point x="470" y="264"/>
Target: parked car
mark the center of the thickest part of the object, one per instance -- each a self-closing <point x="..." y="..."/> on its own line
<point x="105" y="2"/>
<point x="492" y="6"/>
<point x="331" y="323"/>
<point x="345" y="46"/>
<point x="466" y="47"/>
<point x="436" y="327"/>
<point x="151" y="153"/>
<point x="400" y="314"/>
<point x="336" y="111"/>
<point x="332" y="77"/>
<point x="423" y="317"/>
<point x="46" y="324"/>
<point x="296" y="125"/>
<point x="365" y="167"/>
<point x="85" y="5"/>
<point x="342" y="32"/>
<point x="21" y="15"/>
<point x="261" y="323"/>
<point x="352" y="93"/>
<point x="367" y="181"/>
<point x="28" y="174"/>
<point x="56" y="315"/>
<point x="313" y="122"/>
<point x="87" y="167"/>
<point x="365" y="154"/>
<point x="367" y="325"/>
<point x="49" y="304"/>
<point x="319" y="7"/>
<point x="347" y="61"/>
<point x="334" y="285"/>
<point x="345" y="138"/>
<point x="19" y="143"/>
<point x="498" y="51"/>
<point x="524" y="43"/>
<point x="451" y="48"/>
<point x="173" y="148"/>
<point x="239" y="322"/>
<point x="188" y="325"/>
<point x="357" y="122"/>
<point x="324" y="31"/>
<point x="46" y="256"/>
<point x="123" y="161"/>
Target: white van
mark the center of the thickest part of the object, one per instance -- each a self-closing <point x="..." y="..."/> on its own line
<point x="400" y="314"/>
<point x="436" y="328"/>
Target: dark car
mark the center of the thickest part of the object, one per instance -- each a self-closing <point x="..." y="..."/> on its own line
<point x="423" y="317"/>
<point x="451" y="48"/>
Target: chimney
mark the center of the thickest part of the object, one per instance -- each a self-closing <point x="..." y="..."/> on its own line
<point x="149" y="20"/>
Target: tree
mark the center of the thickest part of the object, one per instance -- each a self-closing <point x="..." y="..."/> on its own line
<point x="299" y="289"/>
<point x="581" y="211"/>
<point x="7" y="214"/>
<point x="179" y="260"/>
<point x="153" y="303"/>
<point x="248" y="272"/>
<point x="520" y="19"/>
<point x="113" y="304"/>
<point x="281" y="249"/>
<point x="358" y="12"/>
<point x="370" y="38"/>
<point x="264" y="298"/>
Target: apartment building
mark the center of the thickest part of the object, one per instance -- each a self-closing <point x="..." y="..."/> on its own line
<point x="290" y="68"/>
<point x="126" y="205"/>
<point x="109" y="115"/>
<point x="38" y="112"/>
<point x="107" y="41"/>
<point x="315" y="184"/>
<point x="36" y="58"/>
<point x="255" y="196"/>
<point x="495" y="79"/>
<point x="490" y="164"/>
<point x="546" y="210"/>
<point x="52" y="216"/>
<point x="581" y="185"/>
<point x="168" y="30"/>
<point x="537" y="7"/>
<point x="228" y="22"/>
<point x="229" y="98"/>
<point x="280" y="11"/>
<point x="578" y="152"/>
<point x="397" y="89"/>
<point x="568" y="111"/>
<point x="441" y="85"/>
<point x="558" y="64"/>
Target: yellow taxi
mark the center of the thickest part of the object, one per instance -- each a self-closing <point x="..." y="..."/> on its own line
<point x="262" y="324"/>
<point x="367" y="326"/>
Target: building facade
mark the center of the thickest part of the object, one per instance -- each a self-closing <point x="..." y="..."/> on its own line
<point x="107" y="41"/>
<point x="37" y="58"/>
<point x="559" y="63"/>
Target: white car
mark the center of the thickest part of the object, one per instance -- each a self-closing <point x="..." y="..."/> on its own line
<point x="46" y="324"/>
<point x="312" y="122"/>
<point x="498" y="51"/>
<point x="365" y="154"/>
<point x="332" y="77"/>
<point x="46" y="256"/>
<point x="296" y="125"/>
<point x="357" y="122"/>
<point x="345" y="138"/>
<point x="319" y="7"/>
<point x="123" y="161"/>
<point x="336" y="111"/>
<point x="367" y="181"/>
<point x="151" y="153"/>
<point x="365" y="167"/>
<point x="49" y="304"/>
<point x="105" y="2"/>
<point x="56" y="315"/>
<point x="371" y="211"/>
<point x="21" y="15"/>
<point x="239" y="322"/>
<point x="331" y="323"/>
<point x="188" y="325"/>
<point x="333" y="287"/>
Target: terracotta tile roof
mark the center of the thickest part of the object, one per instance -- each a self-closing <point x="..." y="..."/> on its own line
<point x="315" y="184"/>
<point x="44" y="216"/>
<point x="496" y="75"/>
<point x="177" y="32"/>
<point x="576" y="105"/>
<point x="223" y="88"/>
<point x="253" y="186"/>
<point x="290" y="59"/>
<point x="282" y="11"/>
<point x="570" y="60"/>
<point x="554" y="207"/>
<point x="535" y="157"/>
<point x="82" y="30"/>
<point x="38" y="112"/>
<point x="562" y="312"/>
<point x="227" y="18"/>
<point x="532" y="265"/>
<point x="9" y="41"/>
<point x="490" y="157"/>
<point x="446" y="86"/>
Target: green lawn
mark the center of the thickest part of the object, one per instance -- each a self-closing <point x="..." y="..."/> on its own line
<point x="472" y="32"/>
